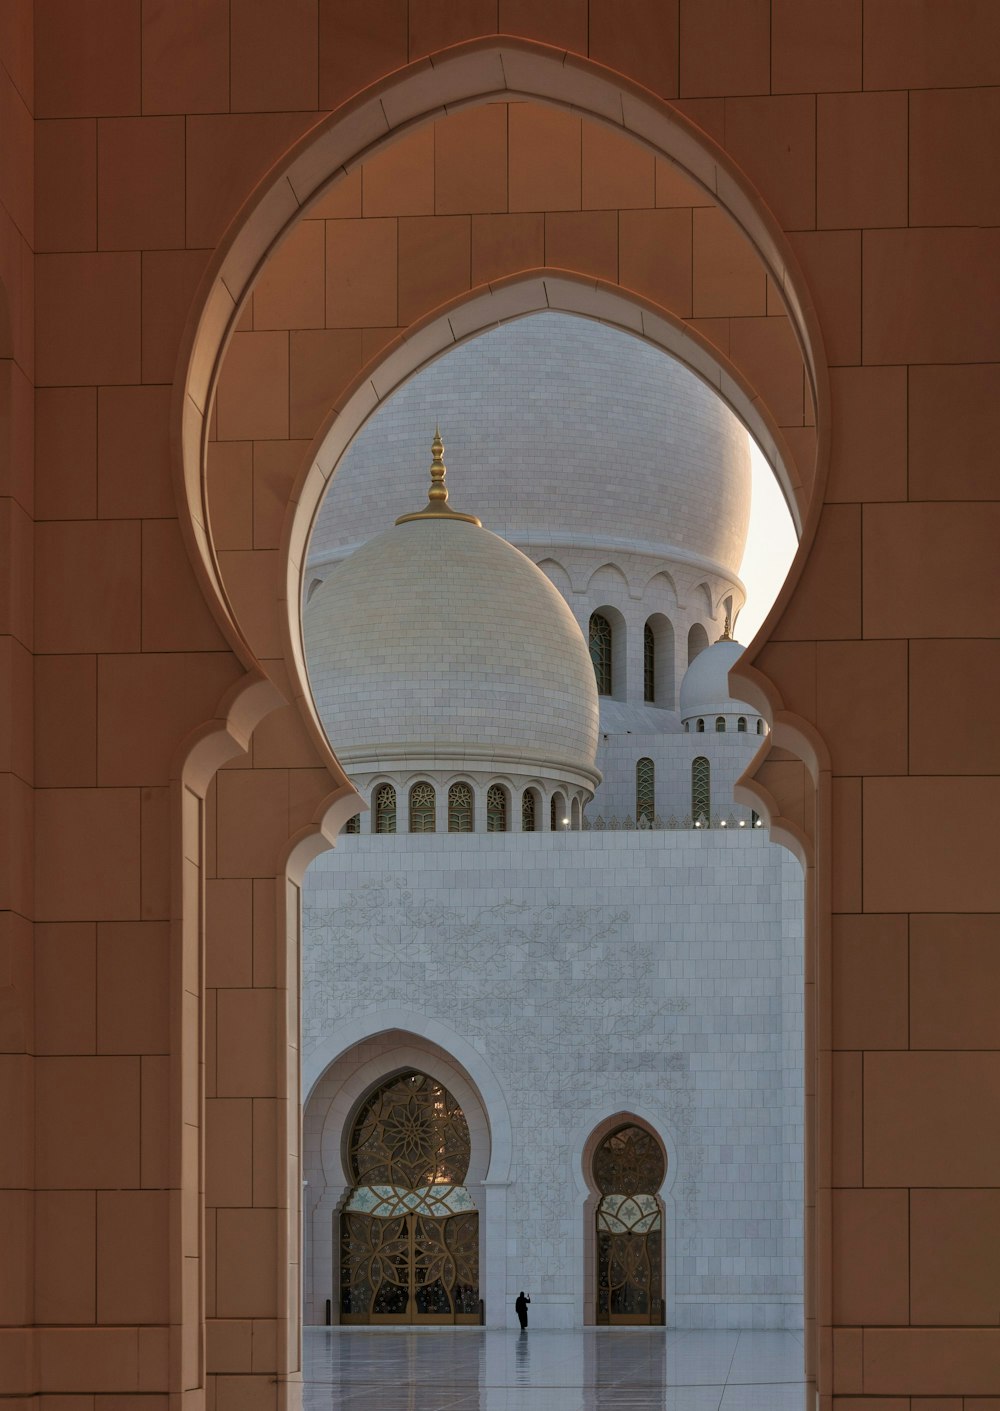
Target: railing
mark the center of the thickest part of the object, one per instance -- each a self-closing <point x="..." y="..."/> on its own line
<point x="628" y="824"/>
<point x="671" y="824"/>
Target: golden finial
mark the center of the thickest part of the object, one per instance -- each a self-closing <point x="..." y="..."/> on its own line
<point x="727" y="631"/>
<point x="437" y="495"/>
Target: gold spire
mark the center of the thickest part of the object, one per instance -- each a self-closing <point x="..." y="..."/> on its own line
<point x="727" y="631"/>
<point x="437" y="496"/>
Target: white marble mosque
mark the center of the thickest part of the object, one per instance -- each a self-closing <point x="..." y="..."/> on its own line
<point x="552" y="976"/>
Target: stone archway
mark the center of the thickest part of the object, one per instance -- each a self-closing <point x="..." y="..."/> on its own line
<point x="291" y="767"/>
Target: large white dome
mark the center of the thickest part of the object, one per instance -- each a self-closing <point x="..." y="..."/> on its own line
<point x="567" y="432"/>
<point x="439" y="644"/>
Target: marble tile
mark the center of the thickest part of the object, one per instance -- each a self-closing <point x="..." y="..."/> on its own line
<point x="474" y="1369"/>
<point x="772" y="1396"/>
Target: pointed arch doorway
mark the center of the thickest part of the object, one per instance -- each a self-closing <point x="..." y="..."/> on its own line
<point x="628" y="1169"/>
<point x="409" y="1231"/>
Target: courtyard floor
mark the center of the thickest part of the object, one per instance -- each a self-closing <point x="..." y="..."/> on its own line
<point x="474" y="1369"/>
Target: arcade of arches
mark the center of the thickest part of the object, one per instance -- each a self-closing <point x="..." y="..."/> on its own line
<point x="183" y="359"/>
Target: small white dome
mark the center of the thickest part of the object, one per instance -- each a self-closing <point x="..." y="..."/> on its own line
<point x="705" y="687"/>
<point x="440" y="644"/>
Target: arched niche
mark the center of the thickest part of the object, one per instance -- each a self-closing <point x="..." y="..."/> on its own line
<point x="588" y="1142"/>
<point x="328" y="1113"/>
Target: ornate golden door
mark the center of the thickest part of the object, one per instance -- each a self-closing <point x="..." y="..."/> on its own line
<point x="629" y="1167"/>
<point x="409" y="1234"/>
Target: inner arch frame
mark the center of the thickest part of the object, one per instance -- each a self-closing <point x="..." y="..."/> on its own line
<point x="494" y="69"/>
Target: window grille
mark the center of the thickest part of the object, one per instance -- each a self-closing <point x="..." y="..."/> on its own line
<point x="460" y="809"/>
<point x="600" y="652"/>
<point x="645" y="791"/>
<point x="701" y="789"/>
<point x="720" y="724"/>
<point x="741" y="725"/>
<point x="496" y="809"/>
<point x="353" y="825"/>
<point x="422" y="808"/>
<point x="648" y="664"/>
<point x="385" y="809"/>
<point x="528" y="823"/>
<point x="701" y="727"/>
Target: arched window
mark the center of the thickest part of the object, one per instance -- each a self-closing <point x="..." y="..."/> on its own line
<point x="701" y="727"/>
<point x="557" y="812"/>
<point x="628" y="1170"/>
<point x="460" y="808"/>
<point x="645" y="790"/>
<point x="741" y="725"/>
<point x="720" y="724"/>
<point x="409" y="1232"/>
<point x="648" y="664"/>
<point x="701" y="790"/>
<point x="600" y="652"/>
<point x="496" y="809"/>
<point x="760" y="727"/>
<point x="529" y="820"/>
<point x="423" y="803"/>
<point x="385" y="809"/>
<point x="353" y="825"/>
<point x="697" y="641"/>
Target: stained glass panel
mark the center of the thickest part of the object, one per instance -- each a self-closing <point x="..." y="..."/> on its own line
<point x="460" y="809"/>
<point x="410" y="1232"/>
<point x="629" y="1167"/>
<point x="410" y="1133"/>
<point x="701" y="789"/>
<point x="385" y="809"/>
<point x="496" y="809"/>
<point x="645" y="790"/>
<point x="629" y="1162"/>
<point x="423" y="803"/>
<point x="600" y="652"/>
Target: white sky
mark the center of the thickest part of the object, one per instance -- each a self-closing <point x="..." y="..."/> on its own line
<point x="771" y="545"/>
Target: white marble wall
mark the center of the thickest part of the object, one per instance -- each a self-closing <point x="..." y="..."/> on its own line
<point x="672" y="755"/>
<point x="570" y="977"/>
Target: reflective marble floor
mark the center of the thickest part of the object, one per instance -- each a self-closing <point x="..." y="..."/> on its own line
<point x="473" y="1369"/>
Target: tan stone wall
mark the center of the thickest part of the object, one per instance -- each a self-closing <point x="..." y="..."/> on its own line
<point x="152" y="1071"/>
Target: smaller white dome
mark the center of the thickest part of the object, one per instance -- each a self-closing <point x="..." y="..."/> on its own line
<point x="705" y="687"/>
<point x="439" y="645"/>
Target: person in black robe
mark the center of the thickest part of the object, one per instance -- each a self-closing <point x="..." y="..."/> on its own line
<point x="521" y="1309"/>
